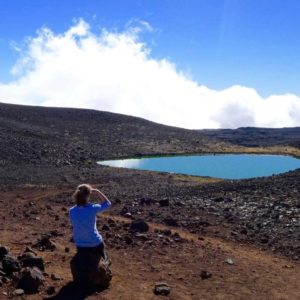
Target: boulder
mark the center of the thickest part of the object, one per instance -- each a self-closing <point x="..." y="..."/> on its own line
<point x="10" y="264"/>
<point x="139" y="226"/>
<point x="28" y="259"/>
<point x="3" y="251"/>
<point x="90" y="269"/>
<point x="31" y="279"/>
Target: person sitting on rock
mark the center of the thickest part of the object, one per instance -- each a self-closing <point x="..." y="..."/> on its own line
<point x="83" y="219"/>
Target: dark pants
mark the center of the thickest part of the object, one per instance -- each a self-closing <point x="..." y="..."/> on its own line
<point x="99" y="250"/>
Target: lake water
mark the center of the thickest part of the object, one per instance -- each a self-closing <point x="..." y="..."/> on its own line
<point x="227" y="166"/>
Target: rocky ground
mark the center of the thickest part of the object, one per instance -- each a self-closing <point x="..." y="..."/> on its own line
<point x="191" y="266"/>
<point x="207" y="238"/>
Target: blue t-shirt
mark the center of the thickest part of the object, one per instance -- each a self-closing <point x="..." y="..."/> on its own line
<point x="83" y="219"/>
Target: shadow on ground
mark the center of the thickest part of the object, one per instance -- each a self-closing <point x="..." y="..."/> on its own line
<point x="74" y="291"/>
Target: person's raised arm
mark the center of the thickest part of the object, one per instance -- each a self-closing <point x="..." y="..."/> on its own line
<point x="105" y="203"/>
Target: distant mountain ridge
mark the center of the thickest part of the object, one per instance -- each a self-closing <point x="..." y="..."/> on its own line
<point x="256" y="136"/>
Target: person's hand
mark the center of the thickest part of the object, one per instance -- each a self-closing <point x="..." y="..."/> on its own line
<point x="102" y="196"/>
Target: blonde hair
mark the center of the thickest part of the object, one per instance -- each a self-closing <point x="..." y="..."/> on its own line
<point x="82" y="194"/>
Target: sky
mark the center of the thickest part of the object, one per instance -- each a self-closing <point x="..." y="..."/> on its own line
<point x="193" y="63"/>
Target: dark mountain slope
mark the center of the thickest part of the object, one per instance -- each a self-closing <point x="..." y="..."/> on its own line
<point x="63" y="136"/>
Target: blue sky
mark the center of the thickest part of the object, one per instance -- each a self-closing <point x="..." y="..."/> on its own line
<point x="187" y="63"/>
<point x="220" y="43"/>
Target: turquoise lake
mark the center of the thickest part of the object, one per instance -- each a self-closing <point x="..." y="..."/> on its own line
<point x="226" y="166"/>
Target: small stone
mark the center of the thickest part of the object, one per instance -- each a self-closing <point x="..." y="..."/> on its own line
<point x="45" y="243"/>
<point x="170" y="221"/>
<point x="50" y="290"/>
<point x="29" y="249"/>
<point x="139" y="226"/>
<point x="124" y="210"/>
<point x="229" y="261"/>
<point x="128" y="215"/>
<point x="105" y="227"/>
<point x="167" y="232"/>
<point x="244" y="231"/>
<point x="55" y="277"/>
<point x="205" y="274"/>
<point x="111" y="222"/>
<point x="5" y="280"/>
<point x="162" y="288"/>
<point x="18" y="292"/>
<point x="288" y="266"/>
<point x="164" y="202"/>
<point x="128" y="240"/>
<point x="142" y="236"/>
<point x="176" y="237"/>
<point x="55" y="233"/>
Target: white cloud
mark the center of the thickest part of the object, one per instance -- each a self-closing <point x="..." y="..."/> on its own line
<point x="114" y="71"/>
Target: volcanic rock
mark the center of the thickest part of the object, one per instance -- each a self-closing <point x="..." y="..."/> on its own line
<point x="147" y="201"/>
<point x="164" y="202"/>
<point x="55" y="277"/>
<point x="3" y="251"/>
<point x="128" y="240"/>
<point x="10" y="264"/>
<point x="139" y="226"/>
<point x="90" y="269"/>
<point x="31" y="279"/>
<point x="105" y="227"/>
<point x="29" y="249"/>
<point x="162" y="288"/>
<point x="28" y="259"/>
<point x="45" y="243"/>
<point x="170" y="221"/>
<point x="128" y="215"/>
<point x="50" y="290"/>
<point x="205" y="274"/>
<point x="18" y="292"/>
<point x="229" y="261"/>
